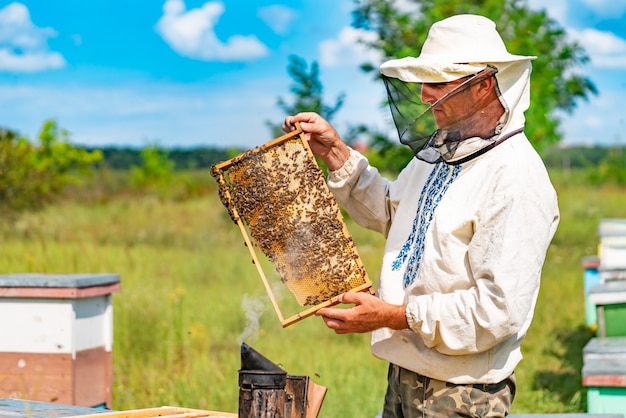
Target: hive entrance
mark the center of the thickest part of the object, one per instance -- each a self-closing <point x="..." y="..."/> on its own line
<point x="277" y="195"/>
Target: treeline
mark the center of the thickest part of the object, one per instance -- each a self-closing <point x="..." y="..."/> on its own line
<point x="124" y="158"/>
<point x="35" y="173"/>
<point x="585" y="157"/>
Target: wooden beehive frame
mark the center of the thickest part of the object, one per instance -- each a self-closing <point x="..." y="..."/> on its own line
<point x="225" y="193"/>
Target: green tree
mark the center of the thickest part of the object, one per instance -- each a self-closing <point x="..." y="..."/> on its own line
<point x="382" y="152"/>
<point x="34" y="174"/>
<point x="308" y="93"/>
<point x="156" y="169"/>
<point x="612" y="168"/>
<point x="555" y="86"/>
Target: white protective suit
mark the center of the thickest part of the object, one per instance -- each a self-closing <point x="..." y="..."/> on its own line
<point x="465" y="247"/>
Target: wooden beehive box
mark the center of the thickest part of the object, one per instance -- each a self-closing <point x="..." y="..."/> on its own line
<point x="604" y="374"/>
<point x="57" y="337"/>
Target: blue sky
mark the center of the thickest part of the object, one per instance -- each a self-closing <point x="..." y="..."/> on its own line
<point x="195" y="72"/>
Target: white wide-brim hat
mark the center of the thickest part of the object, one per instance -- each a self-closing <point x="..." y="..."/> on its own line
<point x="456" y="47"/>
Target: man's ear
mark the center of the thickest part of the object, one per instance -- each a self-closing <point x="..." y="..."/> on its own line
<point x="485" y="87"/>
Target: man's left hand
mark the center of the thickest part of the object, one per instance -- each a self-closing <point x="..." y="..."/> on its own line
<point x="367" y="314"/>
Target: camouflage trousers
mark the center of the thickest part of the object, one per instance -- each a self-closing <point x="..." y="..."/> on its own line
<point x="411" y="395"/>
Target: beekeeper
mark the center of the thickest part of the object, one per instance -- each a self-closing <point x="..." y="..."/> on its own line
<point x="468" y="223"/>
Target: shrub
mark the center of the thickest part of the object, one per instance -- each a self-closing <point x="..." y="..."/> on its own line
<point x="34" y="174"/>
<point x="155" y="171"/>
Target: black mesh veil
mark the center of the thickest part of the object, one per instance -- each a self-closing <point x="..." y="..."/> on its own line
<point x="433" y="125"/>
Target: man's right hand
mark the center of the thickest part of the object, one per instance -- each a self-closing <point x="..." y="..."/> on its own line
<point x="322" y="138"/>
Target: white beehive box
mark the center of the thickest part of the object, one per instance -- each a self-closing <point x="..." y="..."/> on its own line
<point x="612" y="248"/>
<point x="57" y="337"/>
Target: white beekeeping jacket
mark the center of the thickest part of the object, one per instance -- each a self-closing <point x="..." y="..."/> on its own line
<point x="465" y="248"/>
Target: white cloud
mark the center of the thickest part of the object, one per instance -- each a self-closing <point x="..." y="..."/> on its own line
<point x="605" y="48"/>
<point x="191" y="34"/>
<point x="346" y="50"/>
<point x="139" y="112"/>
<point x="560" y="9"/>
<point x="30" y="62"/>
<point x="606" y="8"/>
<point x="277" y="17"/>
<point x="556" y="9"/>
<point x="23" y="46"/>
<point x="407" y="6"/>
<point x="600" y="120"/>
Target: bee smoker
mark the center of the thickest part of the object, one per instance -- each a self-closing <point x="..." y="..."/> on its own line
<point x="261" y="386"/>
<point x="267" y="391"/>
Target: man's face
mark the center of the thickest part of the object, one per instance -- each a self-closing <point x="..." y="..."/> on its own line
<point x="454" y="111"/>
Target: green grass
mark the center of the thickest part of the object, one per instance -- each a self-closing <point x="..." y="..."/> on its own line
<point x="188" y="282"/>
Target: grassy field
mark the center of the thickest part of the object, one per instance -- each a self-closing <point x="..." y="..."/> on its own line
<point x="190" y="295"/>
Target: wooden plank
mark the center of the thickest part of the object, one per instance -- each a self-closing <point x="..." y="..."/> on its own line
<point x="55" y="326"/>
<point x="59" y="292"/>
<point x="605" y="348"/>
<point x="608" y="293"/>
<point x="19" y="408"/>
<point x="37" y="377"/>
<point x="605" y="380"/>
<point x="244" y="232"/>
<point x="315" y="397"/>
<point x="610" y="371"/>
<point x="330" y="302"/>
<point x="590" y="262"/>
<point x="57" y="280"/>
<point x="92" y="377"/>
<point x="57" y="378"/>
<point x="36" y="326"/>
<point x="277" y="141"/>
<point x="162" y="412"/>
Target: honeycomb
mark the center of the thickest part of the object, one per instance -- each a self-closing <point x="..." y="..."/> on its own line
<point x="279" y="192"/>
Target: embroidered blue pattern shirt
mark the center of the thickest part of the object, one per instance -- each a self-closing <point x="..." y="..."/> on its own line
<point x="436" y="186"/>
